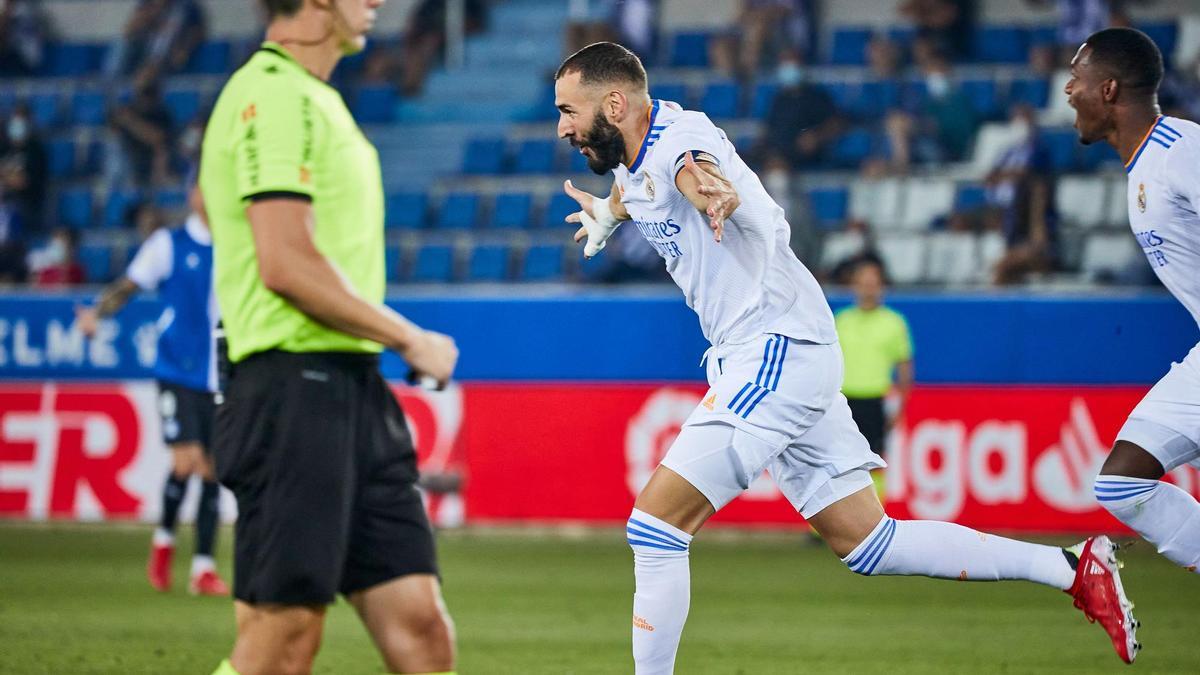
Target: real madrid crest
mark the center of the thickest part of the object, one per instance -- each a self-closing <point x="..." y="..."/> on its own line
<point x="1141" y="197"/>
<point x="649" y="187"/>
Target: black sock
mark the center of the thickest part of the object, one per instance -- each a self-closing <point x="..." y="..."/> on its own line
<point x="206" y="518"/>
<point x="173" y="493"/>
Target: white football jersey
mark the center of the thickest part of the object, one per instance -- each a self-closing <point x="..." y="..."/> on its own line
<point x="751" y="282"/>
<point x="1164" y="206"/>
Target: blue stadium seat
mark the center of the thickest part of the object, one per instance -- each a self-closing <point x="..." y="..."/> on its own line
<point x="535" y="156"/>
<point x="391" y="263"/>
<point x="720" y="100"/>
<point x="849" y="46"/>
<point x="689" y="50"/>
<point x="543" y="263"/>
<point x="183" y="104"/>
<point x="1092" y="157"/>
<point x="60" y="158"/>
<point x="559" y="207"/>
<point x="1164" y="35"/>
<point x="513" y="210"/>
<point x="970" y="197"/>
<point x="72" y="59"/>
<point x="45" y="110"/>
<point x="877" y="97"/>
<point x="985" y="99"/>
<point x="671" y="91"/>
<point x="406" y="210"/>
<point x="829" y="206"/>
<point x="845" y="95"/>
<point x="171" y="198"/>
<point x="1030" y="91"/>
<point x="488" y="263"/>
<point x="119" y="202"/>
<point x="374" y="104"/>
<point x="210" y="58"/>
<point x="460" y="211"/>
<point x="852" y="148"/>
<point x="93" y="157"/>
<point x="1000" y="44"/>
<point x="75" y="207"/>
<point x="483" y="156"/>
<point x="89" y="109"/>
<point x="764" y="95"/>
<point x="97" y="262"/>
<point x="1043" y="36"/>
<point x="434" y="263"/>
<point x="1061" y="145"/>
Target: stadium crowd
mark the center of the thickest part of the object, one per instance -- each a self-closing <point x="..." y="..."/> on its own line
<point x="936" y="145"/>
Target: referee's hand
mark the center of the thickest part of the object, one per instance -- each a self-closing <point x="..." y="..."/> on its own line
<point x="432" y="354"/>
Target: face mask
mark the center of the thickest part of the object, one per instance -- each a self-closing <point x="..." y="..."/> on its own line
<point x="790" y="74"/>
<point x="937" y="84"/>
<point x="18" y="129"/>
<point x="56" y="252"/>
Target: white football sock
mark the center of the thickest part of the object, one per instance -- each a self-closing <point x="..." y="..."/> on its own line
<point x="948" y="551"/>
<point x="202" y="564"/>
<point x="1161" y="513"/>
<point x="663" y="591"/>
<point x="163" y="537"/>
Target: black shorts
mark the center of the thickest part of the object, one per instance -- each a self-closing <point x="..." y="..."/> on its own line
<point x="186" y="414"/>
<point x="868" y="415"/>
<point x="316" y="450"/>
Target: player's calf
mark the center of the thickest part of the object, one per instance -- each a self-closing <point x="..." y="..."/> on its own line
<point x="663" y="590"/>
<point x="1161" y="513"/>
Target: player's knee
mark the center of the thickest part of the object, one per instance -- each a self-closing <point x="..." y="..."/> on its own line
<point x="648" y="535"/>
<point x="424" y="637"/>
<point x="1130" y="460"/>
<point x="1117" y="493"/>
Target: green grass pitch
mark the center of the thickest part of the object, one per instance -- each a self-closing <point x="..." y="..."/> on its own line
<point x="73" y="599"/>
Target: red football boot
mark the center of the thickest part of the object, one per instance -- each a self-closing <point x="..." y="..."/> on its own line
<point x="1098" y="592"/>
<point x="158" y="568"/>
<point x="208" y="583"/>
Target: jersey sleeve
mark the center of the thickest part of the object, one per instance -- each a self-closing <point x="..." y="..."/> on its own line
<point x="279" y="131"/>
<point x="153" y="261"/>
<point x="902" y="346"/>
<point x="1182" y="172"/>
<point x="698" y="137"/>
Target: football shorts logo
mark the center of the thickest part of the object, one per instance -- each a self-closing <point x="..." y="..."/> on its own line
<point x="649" y="188"/>
<point x="710" y="402"/>
<point x="1141" y="199"/>
<point x="639" y="622"/>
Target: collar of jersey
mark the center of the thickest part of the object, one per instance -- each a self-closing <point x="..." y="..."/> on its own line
<point x="1142" y="146"/>
<point x="197" y="230"/>
<point x="648" y="139"/>
<point x="278" y="50"/>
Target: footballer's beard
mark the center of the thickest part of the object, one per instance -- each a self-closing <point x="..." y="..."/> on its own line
<point x="607" y="145"/>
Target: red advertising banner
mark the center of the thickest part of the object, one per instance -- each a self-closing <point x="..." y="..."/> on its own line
<point x="997" y="458"/>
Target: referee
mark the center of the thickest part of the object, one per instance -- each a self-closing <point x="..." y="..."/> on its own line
<point x="309" y="437"/>
<point x="876" y="346"/>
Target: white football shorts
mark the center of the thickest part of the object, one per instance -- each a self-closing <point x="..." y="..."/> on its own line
<point x="1166" y="423"/>
<point x="774" y="404"/>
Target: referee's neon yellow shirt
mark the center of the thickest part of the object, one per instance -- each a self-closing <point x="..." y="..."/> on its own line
<point x="276" y="128"/>
<point x="873" y="342"/>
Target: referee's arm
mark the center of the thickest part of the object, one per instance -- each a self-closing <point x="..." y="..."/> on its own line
<point x="290" y="265"/>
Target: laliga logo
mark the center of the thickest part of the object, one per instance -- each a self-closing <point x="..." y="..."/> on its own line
<point x="1063" y="474"/>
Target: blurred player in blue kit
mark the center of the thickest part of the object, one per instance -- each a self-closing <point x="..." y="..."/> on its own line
<point x="774" y="370"/>
<point x="177" y="263"/>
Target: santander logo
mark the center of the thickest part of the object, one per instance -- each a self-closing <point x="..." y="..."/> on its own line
<point x="1064" y="473"/>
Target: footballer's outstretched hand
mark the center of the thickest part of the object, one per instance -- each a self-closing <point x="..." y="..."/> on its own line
<point x="599" y="217"/>
<point x="723" y="199"/>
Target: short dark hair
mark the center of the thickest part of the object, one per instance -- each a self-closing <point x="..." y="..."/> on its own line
<point x="277" y="8"/>
<point x="1129" y="56"/>
<point x="603" y="63"/>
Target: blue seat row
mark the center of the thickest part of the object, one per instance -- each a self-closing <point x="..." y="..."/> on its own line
<point x="90" y="107"/>
<point x="437" y="263"/>
<point x="468" y="210"/>
<point x="76" y="207"/>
